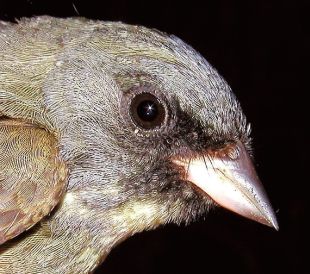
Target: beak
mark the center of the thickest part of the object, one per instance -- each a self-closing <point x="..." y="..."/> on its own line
<point x="228" y="176"/>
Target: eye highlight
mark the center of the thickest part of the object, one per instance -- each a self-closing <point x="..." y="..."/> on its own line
<point x="147" y="111"/>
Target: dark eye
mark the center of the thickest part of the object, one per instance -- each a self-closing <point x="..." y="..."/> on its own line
<point x="147" y="111"/>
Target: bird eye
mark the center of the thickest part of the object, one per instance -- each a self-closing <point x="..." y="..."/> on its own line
<point x="147" y="111"/>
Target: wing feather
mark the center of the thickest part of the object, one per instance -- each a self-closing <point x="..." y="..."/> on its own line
<point x="32" y="176"/>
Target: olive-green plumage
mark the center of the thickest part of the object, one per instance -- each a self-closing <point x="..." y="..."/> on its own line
<point x="77" y="174"/>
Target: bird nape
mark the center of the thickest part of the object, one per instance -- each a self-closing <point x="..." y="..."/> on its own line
<point x="106" y="130"/>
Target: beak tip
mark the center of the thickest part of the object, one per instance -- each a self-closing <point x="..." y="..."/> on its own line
<point x="270" y="220"/>
<point x="276" y="227"/>
<point x="274" y="223"/>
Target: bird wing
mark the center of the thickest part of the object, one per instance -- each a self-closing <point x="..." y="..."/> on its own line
<point x="32" y="176"/>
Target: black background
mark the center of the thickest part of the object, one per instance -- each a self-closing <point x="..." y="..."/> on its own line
<point x="262" y="49"/>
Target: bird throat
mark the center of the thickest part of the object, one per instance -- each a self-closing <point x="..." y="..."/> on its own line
<point x="75" y="239"/>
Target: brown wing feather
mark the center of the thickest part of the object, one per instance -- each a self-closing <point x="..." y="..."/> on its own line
<point x="32" y="176"/>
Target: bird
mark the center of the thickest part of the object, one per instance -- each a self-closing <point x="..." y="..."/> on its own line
<point x="109" y="129"/>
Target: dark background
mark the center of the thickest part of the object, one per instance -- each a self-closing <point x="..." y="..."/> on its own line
<point x="262" y="49"/>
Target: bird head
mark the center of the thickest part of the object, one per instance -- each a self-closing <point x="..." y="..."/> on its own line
<point x="123" y="128"/>
<point x="151" y="131"/>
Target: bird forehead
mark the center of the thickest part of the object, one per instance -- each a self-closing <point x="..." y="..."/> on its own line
<point x="107" y="60"/>
<point x="198" y="88"/>
<point x="172" y="65"/>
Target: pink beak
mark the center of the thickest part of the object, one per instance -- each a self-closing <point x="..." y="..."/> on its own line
<point x="229" y="178"/>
